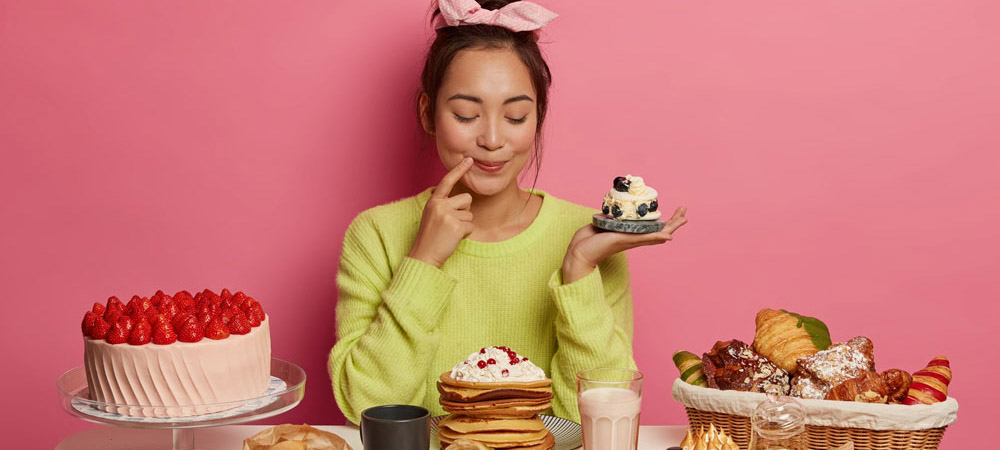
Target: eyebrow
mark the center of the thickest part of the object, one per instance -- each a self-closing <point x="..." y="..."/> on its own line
<point x="474" y="99"/>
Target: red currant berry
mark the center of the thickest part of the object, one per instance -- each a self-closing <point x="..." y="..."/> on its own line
<point x="505" y="372"/>
<point x="481" y="364"/>
<point x="491" y="361"/>
<point x="482" y="350"/>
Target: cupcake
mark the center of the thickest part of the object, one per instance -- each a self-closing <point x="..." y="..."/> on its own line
<point x="631" y="199"/>
<point x="630" y="206"/>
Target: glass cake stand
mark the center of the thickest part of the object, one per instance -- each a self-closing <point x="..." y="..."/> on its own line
<point x="288" y="386"/>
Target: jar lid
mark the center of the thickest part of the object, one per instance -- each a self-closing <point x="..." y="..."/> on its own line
<point x="779" y="415"/>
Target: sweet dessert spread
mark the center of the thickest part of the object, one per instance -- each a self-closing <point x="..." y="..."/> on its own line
<point x="169" y="356"/>
<point x="710" y="439"/>
<point x="631" y="199"/>
<point x="733" y="365"/>
<point x="784" y="337"/>
<point x="843" y="371"/>
<point x="823" y="370"/>
<point x="630" y="207"/>
<point x="930" y="384"/>
<point x="494" y="397"/>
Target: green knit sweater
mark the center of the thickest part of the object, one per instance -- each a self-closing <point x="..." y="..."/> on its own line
<point x="402" y="322"/>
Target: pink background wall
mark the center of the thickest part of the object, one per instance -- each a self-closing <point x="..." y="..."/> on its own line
<point x="839" y="159"/>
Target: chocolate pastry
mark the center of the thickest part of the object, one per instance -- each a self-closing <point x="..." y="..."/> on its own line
<point x="732" y="365"/>
<point x="869" y="387"/>
<point x="825" y="369"/>
<point x="898" y="384"/>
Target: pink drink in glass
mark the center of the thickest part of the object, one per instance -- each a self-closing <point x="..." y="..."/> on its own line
<point x="609" y="401"/>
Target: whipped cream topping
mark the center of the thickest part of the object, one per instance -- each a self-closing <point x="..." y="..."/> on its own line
<point x="637" y="191"/>
<point x="492" y="364"/>
<point x="636" y="185"/>
<point x="638" y="203"/>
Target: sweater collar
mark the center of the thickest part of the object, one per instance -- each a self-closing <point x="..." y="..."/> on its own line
<point x="514" y="244"/>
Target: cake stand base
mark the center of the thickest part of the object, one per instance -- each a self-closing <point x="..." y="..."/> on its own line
<point x="284" y="395"/>
<point x="112" y="437"/>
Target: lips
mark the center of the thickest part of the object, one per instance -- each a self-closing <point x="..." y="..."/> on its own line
<point x="491" y="167"/>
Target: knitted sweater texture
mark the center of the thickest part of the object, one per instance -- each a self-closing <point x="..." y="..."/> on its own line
<point x="402" y="322"/>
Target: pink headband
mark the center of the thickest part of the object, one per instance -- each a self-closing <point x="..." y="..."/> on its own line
<point x="516" y="16"/>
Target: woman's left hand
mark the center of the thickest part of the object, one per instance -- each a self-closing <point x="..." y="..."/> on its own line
<point x="590" y="246"/>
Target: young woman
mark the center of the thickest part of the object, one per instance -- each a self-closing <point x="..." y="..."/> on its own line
<point x="478" y="261"/>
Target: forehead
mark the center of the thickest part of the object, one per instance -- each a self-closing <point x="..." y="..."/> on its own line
<point x="487" y="73"/>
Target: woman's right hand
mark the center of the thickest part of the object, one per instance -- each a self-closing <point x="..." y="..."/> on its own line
<point x="446" y="220"/>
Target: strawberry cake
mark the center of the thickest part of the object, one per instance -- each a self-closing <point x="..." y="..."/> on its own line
<point x="171" y="356"/>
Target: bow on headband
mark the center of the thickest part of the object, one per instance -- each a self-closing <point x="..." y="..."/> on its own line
<point x="516" y="16"/>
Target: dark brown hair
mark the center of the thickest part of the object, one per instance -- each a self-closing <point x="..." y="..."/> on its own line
<point x="452" y="40"/>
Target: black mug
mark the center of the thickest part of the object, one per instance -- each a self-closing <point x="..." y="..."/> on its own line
<point x="396" y="427"/>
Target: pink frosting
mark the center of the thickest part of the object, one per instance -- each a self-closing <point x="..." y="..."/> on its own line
<point x="167" y="380"/>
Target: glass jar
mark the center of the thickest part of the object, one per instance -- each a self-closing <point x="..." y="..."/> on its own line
<point x="778" y="423"/>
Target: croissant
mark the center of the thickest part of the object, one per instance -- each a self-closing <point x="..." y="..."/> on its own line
<point x="784" y="337"/>
<point x="898" y="383"/>
<point x="869" y="387"/>
<point x="930" y="384"/>
<point x="690" y="367"/>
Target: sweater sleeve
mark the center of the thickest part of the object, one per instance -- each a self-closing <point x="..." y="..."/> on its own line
<point x="386" y="324"/>
<point x="593" y="328"/>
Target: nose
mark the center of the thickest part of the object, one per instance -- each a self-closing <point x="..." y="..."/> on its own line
<point x="490" y="137"/>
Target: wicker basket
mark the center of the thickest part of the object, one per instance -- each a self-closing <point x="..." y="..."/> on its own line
<point x="735" y="420"/>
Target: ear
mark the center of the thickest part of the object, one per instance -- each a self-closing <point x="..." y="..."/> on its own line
<point x="425" y="120"/>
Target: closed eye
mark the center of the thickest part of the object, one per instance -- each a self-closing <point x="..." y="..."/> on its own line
<point x="518" y="120"/>
<point x="464" y="119"/>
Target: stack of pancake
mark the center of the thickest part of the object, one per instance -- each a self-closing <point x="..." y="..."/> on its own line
<point x="500" y="415"/>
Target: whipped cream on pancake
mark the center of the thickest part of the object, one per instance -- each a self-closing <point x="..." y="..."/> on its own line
<point x="496" y="364"/>
<point x="630" y="199"/>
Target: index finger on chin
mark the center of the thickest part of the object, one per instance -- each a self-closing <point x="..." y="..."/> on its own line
<point x="449" y="179"/>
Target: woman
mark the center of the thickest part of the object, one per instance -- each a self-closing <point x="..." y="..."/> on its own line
<point x="477" y="261"/>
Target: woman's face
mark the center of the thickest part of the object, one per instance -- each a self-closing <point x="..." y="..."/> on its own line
<point x="486" y="109"/>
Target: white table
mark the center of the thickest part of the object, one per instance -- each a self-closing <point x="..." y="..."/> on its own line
<point x="231" y="437"/>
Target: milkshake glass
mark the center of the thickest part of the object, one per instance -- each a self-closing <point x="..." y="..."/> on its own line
<point x="609" y="401"/>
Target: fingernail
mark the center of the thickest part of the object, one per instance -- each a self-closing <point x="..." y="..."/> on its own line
<point x="467" y="160"/>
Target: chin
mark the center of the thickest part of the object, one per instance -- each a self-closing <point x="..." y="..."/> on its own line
<point x="487" y="186"/>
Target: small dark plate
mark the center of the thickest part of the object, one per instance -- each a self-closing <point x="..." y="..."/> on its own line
<point x="606" y="222"/>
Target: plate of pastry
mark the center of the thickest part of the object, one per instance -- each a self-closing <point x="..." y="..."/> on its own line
<point x="630" y="207"/>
